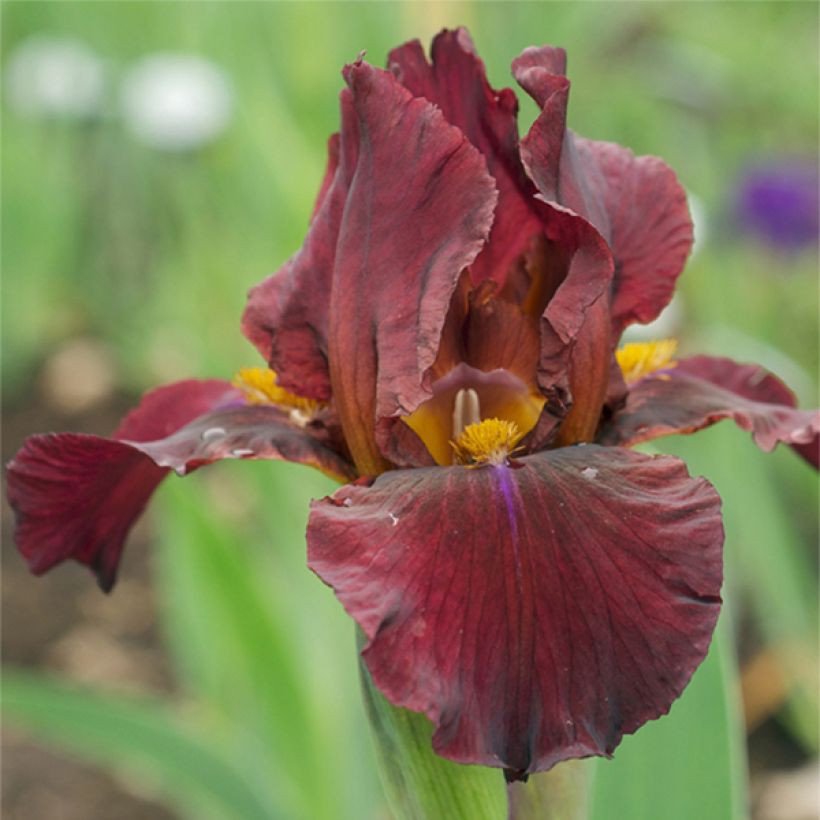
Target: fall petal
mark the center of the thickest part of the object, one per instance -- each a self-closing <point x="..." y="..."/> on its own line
<point x="165" y="409"/>
<point x="456" y="81"/>
<point x="701" y="391"/>
<point x="77" y="496"/>
<point x="248" y="432"/>
<point x="418" y="211"/>
<point x="534" y="613"/>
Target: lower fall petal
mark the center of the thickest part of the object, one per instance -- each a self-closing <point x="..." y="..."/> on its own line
<point x="703" y="390"/>
<point x="534" y="613"/>
<point x="77" y="496"/>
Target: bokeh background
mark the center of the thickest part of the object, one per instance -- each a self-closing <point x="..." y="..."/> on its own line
<point x="158" y="159"/>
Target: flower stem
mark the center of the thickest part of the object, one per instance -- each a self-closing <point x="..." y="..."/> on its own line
<point x="559" y="794"/>
<point x="419" y="784"/>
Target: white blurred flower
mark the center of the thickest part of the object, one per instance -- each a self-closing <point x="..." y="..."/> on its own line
<point x="176" y="102"/>
<point x="54" y="76"/>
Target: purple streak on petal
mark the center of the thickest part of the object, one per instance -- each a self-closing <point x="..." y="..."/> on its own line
<point x="508" y="493"/>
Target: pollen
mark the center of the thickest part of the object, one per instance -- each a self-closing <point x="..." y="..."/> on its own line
<point x="259" y="386"/>
<point x="639" y="359"/>
<point x="490" y="441"/>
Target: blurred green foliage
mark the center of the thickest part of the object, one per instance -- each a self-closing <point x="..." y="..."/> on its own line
<point x="153" y="254"/>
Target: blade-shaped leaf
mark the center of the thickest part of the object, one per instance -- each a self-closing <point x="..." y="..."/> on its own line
<point x="249" y="641"/>
<point x="142" y="735"/>
<point x="688" y="764"/>
<point x="419" y="784"/>
<point x="767" y="554"/>
<point x="230" y="649"/>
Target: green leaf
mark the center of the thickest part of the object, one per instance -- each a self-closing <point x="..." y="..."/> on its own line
<point x="232" y="649"/>
<point x="259" y="642"/>
<point x="688" y="764"/>
<point x="139" y="735"/>
<point x="766" y="554"/>
<point x="420" y="785"/>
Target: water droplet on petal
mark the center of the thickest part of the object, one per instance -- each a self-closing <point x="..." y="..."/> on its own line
<point x="589" y="472"/>
<point x="213" y="432"/>
<point x="241" y="452"/>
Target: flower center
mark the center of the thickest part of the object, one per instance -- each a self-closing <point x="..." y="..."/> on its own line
<point x="258" y="385"/>
<point x="486" y="442"/>
<point x="639" y="359"/>
<point x="467" y="396"/>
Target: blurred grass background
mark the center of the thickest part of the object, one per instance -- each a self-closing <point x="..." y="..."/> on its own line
<point x="128" y="266"/>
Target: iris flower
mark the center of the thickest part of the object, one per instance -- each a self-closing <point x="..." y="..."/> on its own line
<point x="445" y="345"/>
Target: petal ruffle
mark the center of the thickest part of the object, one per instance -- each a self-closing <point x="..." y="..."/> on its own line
<point x="650" y="230"/>
<point x="77" y="496"/>
<point x="636" y="203"/>
<point x="535" y="613"/>
<point x="418" y="211"/>
<point x="701" y="391"/>
<point x="549" y="157"/>
<point x="456" y="81"/>
<point x="286" y="315"/>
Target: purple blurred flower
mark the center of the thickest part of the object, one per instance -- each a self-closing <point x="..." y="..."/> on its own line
<point x="779" y="202"/>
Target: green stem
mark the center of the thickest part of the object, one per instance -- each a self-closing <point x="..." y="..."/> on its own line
<point x="419" y="784"/>
<point x="559" y="794"/>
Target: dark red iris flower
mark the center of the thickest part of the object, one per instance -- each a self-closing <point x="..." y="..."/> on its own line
<point x="445" y="341"/>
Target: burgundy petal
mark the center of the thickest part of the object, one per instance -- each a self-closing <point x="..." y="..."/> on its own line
<point x="587" y="279"/>
<point x="548" y="150"/>
<point x="77" y="496"/>
<point x="287" y="313"/>
<point x="165" y="409"/>
<point x="418" y="211"/>
<point x="333" y="151"/>
<point x="456" y="81"/>
<point x="254" y="432"/>
<point x="703" y="390"/>
<point x="534" y="614"/>
<point x="540" y="72"/>
<point x="650" y="230"/>
<point x="637" y="203"/>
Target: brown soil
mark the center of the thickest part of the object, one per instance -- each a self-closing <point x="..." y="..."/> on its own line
<point x="62" y="623"/>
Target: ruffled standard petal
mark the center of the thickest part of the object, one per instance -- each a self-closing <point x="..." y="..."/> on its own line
<point x="650" y="230"/>
<point x="535" y="613"/>
<point x="577" y="223"/>
<point x="77" y="496"/>
<point x="418" y="211"/>
<point x="701" y="391"/>
<point x="456" y="81"/>
<point x="287" y="314"/>
<point x="636" y="203"/>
